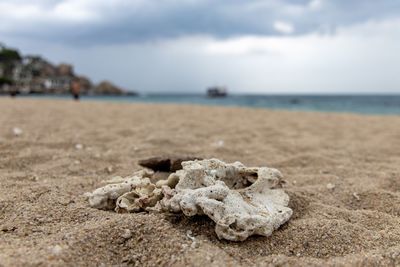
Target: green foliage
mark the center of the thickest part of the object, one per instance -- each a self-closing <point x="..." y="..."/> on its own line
<point x="4" y="80"/>
<point x="7" y="55"/>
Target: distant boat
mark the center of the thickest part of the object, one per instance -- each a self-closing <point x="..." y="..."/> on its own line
<point x="217" y="91"/>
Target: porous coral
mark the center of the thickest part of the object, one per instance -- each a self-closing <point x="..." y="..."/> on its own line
<point x="241" y="201"/>
<point x="133" y="193"/>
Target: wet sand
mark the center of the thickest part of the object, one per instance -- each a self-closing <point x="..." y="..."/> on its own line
<point x="342" y="173"/>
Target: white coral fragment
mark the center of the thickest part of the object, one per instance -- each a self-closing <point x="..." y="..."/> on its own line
<point x="140" y="198"/>
<point x="241" y="201"/>
<point x="107" y="197"/>
<point x="203" y="188"/>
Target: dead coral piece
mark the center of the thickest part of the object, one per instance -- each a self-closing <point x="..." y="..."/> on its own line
<point x="107" y="197"/>
<point x="165" y="164"/>
<point x="206" y="187"/>
<point x="140" y="198"/>
<point x="241" y="201"/>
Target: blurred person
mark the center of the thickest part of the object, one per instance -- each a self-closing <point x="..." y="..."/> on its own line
<point x="75" y="89"/>
<point x="13" y="93"/>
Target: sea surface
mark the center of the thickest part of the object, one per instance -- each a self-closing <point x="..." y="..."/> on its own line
<point x="365" y="104"/>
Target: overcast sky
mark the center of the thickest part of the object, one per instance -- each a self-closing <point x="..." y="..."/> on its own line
<point x="251" y="46"/>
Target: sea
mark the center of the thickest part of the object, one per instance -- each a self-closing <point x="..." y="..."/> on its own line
<point x="362" y="104"/>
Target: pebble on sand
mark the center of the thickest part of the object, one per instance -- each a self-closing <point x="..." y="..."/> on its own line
<point x="330" y="186"/>
<point x="17" y="131"/>
<point x="126" y="234"/>
<point x="56" y="250"/>
<point x="219" y="143"/>
<point x="109" y="169"/>
<point x="356" y="196"/>
<point x="190" y="236"/>
<point x="78" y="146"/>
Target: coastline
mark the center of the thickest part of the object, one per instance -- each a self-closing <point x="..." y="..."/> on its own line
<point x="46" y="221"/>
<point x="358" y="104"/>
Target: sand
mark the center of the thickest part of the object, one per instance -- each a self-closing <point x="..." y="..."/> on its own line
<point x="342" y="173"/>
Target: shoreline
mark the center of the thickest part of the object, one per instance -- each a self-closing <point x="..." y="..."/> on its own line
<point x="211" y="103"/>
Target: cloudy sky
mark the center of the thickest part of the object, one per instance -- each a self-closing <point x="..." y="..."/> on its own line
<point x="251" y="46"/>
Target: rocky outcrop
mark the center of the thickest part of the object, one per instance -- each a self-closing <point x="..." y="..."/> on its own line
<point x="107" y="88"/>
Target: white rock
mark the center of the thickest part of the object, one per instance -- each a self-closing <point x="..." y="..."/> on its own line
<point x="219" y="143"/>
<point x="78" y="146"/>
<point x="110" y="169"/>
<point x="190" y="236"/>
<point x="56" y="250"/>
<point x="356" y="196"/>
<point x="126" y="234"/>
<point x="330" y="186"/>
<point x="17" y="131"/>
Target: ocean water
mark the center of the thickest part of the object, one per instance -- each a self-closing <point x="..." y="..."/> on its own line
<point x="365" y="104"/>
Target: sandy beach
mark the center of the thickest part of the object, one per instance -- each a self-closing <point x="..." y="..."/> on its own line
<point x="342" y="173"/>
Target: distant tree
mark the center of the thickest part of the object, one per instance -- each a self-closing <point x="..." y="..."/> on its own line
<point x="9" y="55"/>
<point x="8" y="60"/>
<point x="4" y="81"/>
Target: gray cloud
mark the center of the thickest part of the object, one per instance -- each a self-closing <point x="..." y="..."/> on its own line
<point x="184" y="46"/>
<point x="92" y="21"/>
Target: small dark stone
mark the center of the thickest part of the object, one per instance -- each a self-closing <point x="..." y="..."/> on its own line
<point x="165" y="164"/>
<point x="156" y="164"/>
